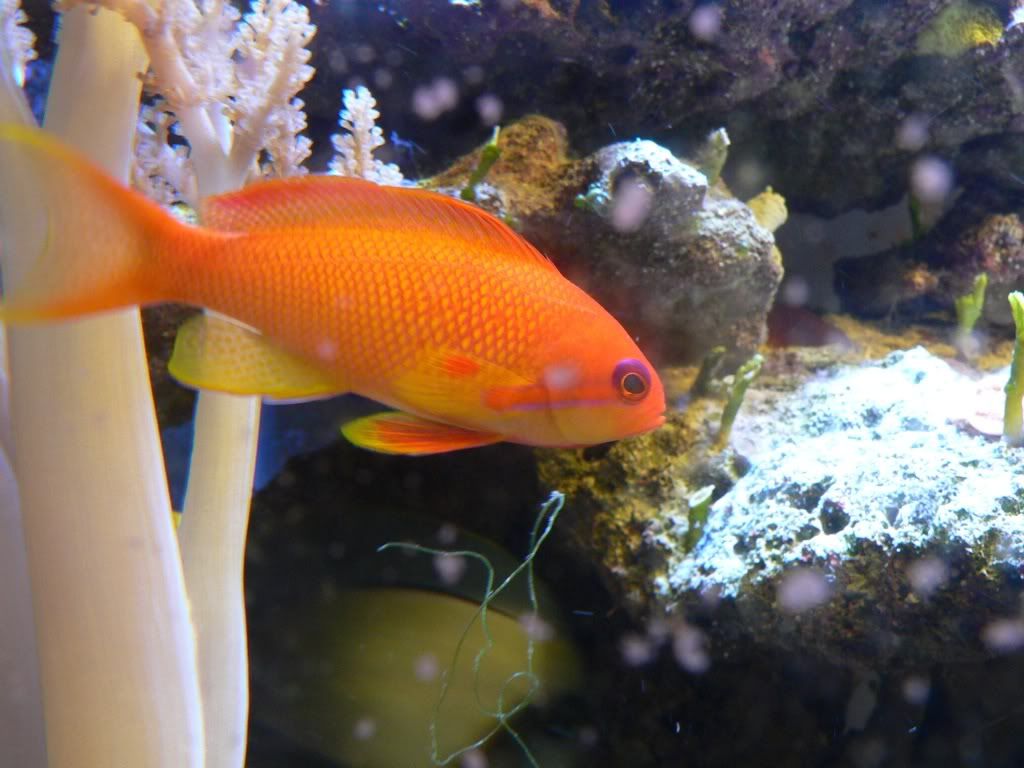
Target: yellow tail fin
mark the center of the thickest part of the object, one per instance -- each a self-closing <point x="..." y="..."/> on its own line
<point x="85" y="242"/>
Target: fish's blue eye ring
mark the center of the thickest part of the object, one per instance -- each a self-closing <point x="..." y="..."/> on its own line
<point x="631" y="380"/>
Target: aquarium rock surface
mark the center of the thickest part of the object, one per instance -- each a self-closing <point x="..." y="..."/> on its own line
<point x="683" y="264"/>
<point x="872" y="522"/>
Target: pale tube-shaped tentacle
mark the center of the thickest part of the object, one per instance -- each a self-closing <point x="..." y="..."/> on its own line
<point x="116" y="645"/>
<point x="21" y="706"/>
<point x="212" y="534"/>
<point x="214" y="528"/>
<point x="21" y="701"/>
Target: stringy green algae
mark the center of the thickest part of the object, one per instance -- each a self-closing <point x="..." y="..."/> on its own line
<point x="541" y="530"/>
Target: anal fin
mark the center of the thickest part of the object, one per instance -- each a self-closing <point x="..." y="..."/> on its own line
<point x="213" y="352"/>
<point x="403" y="433"/>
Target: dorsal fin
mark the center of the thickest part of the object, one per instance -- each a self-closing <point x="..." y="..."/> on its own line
<point x="337" y="201"/>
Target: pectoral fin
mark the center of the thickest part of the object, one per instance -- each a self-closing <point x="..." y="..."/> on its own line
<point x="397" y="432"/>
<point x="212" y="352"/>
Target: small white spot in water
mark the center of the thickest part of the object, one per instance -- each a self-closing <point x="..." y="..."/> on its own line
<point x="690" y="647"/>
<point x="429" y="102"/>
<point x="382" y="78"/>
<point x="536" y="628"/>
<point x="447" y="92"/>
<point x="750" y="175"/>
<point x="802" y="589"/>
<point x="447" y="534"/>
<point x="931" y="179"/>
<point x="916" y="689"/>
<point x="927" y="575"/>
<point x="426" y="668"/>
<point x="632" y="205"/>
<point x="706" y="22"/>
<point x="364" y="54"/>
<point x="912" y="134"/>
<point x="561" y="376"/>
<point x="795" y="291"/>
<point x="473" y="759"/>
<point x="658" y="630"/>
<point x="637" y="650"/>
<point x="473" y="74"/>
<point x="1003" y="635"/>
<point x="450" y="568"/>
<point x="327" y="351"/>
<point x="588" y="736"/>
<point x="337" y="62"/>
<point x="490" y="109"/>
<point x="365" y="728"/>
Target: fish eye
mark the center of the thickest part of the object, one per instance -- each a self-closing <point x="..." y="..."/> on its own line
<point x="632" y="380"/>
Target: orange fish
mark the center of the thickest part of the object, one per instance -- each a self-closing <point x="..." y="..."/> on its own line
<point x="421" y="302"/>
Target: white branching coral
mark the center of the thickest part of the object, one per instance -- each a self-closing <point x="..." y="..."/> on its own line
<point x="272" y="68"/>
<point x="362" y="135"/>
<point x="231" y="86"/>
<point x="161" y="169"/>
<point x="18" y="40"/>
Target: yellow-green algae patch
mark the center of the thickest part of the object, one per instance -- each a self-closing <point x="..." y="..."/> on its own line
<point x="959" y="28"/>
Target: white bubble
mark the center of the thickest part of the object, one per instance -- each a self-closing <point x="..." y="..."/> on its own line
<point x="795" y="291"/>
<point x="690" y="647"/>
<point x="536" y="628"/>
<point x="425" y="103"/>
<point x="931" y="179"/>
<point x="916" y="690"/>
<point x="450" y="568"/>
<point x="447" y="534"/>
<point x="802" y="589"/>
<point x="561" y="376"/>
<point x="490" y="109"/>
<point x="750" y="174"/>
<point x="337" y="62"/>
<point x="912" y="133"/>
<point x="814" y="231"/>
<point x="327" y="351"/>
<point x="589" y="736"/>
<point x="473" y="74"/>
<point x="364" y="729"/>
<point x="706" y="22"/>
<point x="429" y="102"/>
<point x="927" y="575"/>
<point x="632" y="205"/>
<point x="447" y="92"/>
<point x="364" y="54"/>
<point x="1003" y="635"/>
<point x="426" y="668"/>
<point x="637" y="650"/>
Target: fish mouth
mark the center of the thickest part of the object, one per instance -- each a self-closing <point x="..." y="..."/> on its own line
<point x="654" y="424"/>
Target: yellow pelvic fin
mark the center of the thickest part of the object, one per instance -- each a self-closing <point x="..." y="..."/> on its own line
<point x="403" y="433"/>
<point x="213" y="352"/>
